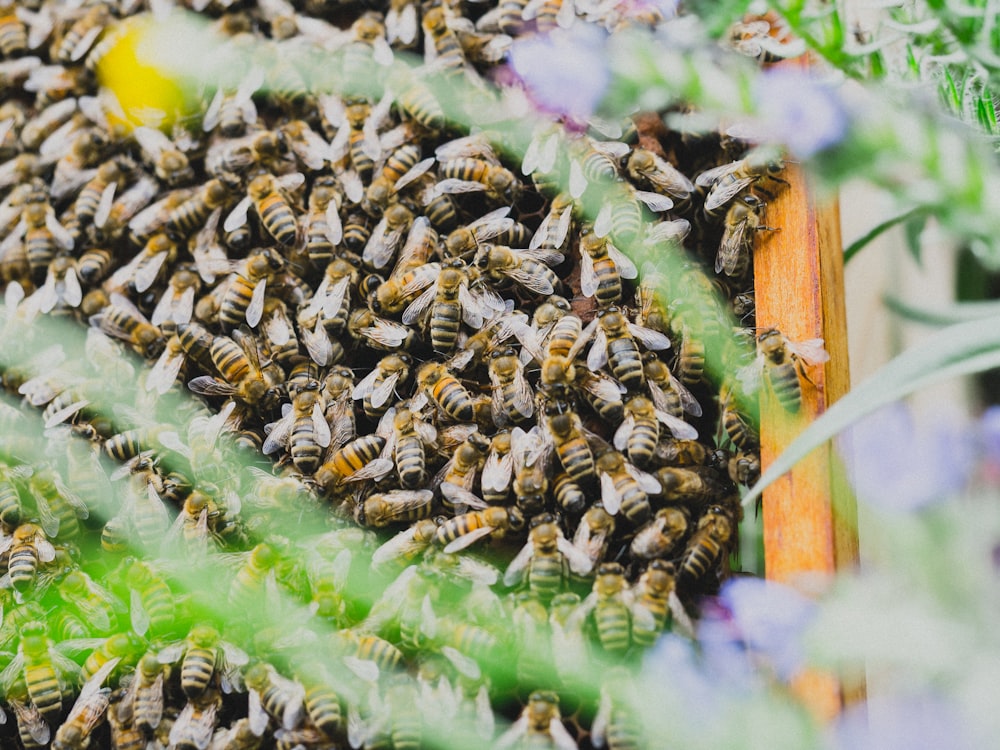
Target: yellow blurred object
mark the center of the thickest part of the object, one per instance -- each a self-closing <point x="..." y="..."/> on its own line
<point x="148" y="94"/>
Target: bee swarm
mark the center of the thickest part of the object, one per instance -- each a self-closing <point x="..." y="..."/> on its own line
<point x="421" y="371"/>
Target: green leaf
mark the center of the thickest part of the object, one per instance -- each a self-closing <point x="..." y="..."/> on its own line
<point x="958" y="313"/>
<point x="957" y="350"/>
<point x="855" y="247"/>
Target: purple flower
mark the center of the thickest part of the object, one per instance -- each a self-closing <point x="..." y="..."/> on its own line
<point x="896" y="465"/>
<point x="564" y="72"/>
<point x="798" y="110"/>
<point x="771" y="618"/>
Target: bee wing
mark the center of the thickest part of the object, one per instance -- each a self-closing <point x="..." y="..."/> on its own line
<point x="148" y="271"/>
<point x="277" y="438"/>
<point x="609" y="495"/>
<point x="603" y="221"/>
<point x="238" y="216"/>
<point x="597" y="357"/>
<point x="152" y="141"/>
<point x="735" y="242"/>
<point x="366" y="385"/>
<point x="453" y="185"/>
<point x="682" y="623"/>
<point x="59" y="233"/>
<point x="394" y="547"/>
<point x="579" y="561"/>
<point x="620" y="439"/>
<point x="382" y="52"/>
<point x="588" y="275"/>
<point x="317" y="342"/>
<point x="678" y="427"/>
<point x="513" y="735"/>
<point x="524" y="397"/>
<point x="381" y="393"/>
<point x="599" y="729"/>
<point x="380" y="247"/>
<point x="626" y="268"/>
<point x="469" y="539"/>
<point x="47" y="519"/>
<point x="710" y="176"/>
<point x="29" y="717"/>
<point x="721" y="194"/>
<point x="750" y="375"/>
<point x="192" y="728"/>
<point x="459" y="495"/>
<point x="255" y="310"/>
<point x="654" y="340"/>
<point x="811" y="351"/>
<point x="415" y="172"/>
<point x="206" y="385"/>
<point x="375" y="469"/>
<point x="401" y="24"/>
<point x="688" y="401"/>
<point x="334" y="226"/>
<point x="417" y="307"/>
<point x="647" y="482"/>
<point x="654" y="201"/>
<point x="256" y="715"/>
<point x="497" y="471"/>
<point x="464" y="665"/>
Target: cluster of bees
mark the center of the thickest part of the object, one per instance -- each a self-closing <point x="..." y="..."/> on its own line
<point x="454" y="457"/>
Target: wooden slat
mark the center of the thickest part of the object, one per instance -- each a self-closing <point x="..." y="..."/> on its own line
<point x="810" y="527"/>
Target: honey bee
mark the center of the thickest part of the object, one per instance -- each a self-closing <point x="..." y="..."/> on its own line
<point x="232" y="111"/>
<point x="593" y="534"/>
<point x="76" y="164"/>
<point x="195" y="724"/>
<point x="670" y="397"/>
<point x="738" y="426"/>
<point x="39" y="235"/>
<point x="646" y="168"/>
<point x="46" y="672"/>
<point x="176" y="304"/>
<point x="13" y="34"/>
<point x="447" y="392"/>
<point x="355" y="461"/>
<point x="744" y="217"/>
<point x="602" y="268"/>
<point x="730" y="180"/>
<point x="190" y="215"/>
<point x="376" y="388"/>
<point x="473" y="175"/>
<point x="566" y="433"/>
<point x="615" y="345"/>
<point x="415" y="99"/>
<point x="324" y="230"/>
<point x="401" y="168"/>
<point x="554" y="230"/>
<point x="237" y="360"/>
<point x="82" y="35"/>
<point x="401" y="23"/>
<point x="545" y="561"/>
<point x="308" y="146"/>
<point x="114" y="215"/>
<point x="367" y="44"/>
<point x="61" y="289"/>
<point x="152" y="604"/>
<point x="780" y="362"/>
<point x="246" y="292"/>
<point x="169" y="162"/>
<point x="205" y="658"/>
<point x="387" y="236"/>
<point x="708" y="546"/>
<point x="744" y="468"/>
<point x="94" y="604"/>
<point x="142" y="703"/>
<point x="29" y="546"/>
<point x="122" y="320"/>
<point x="466" y="239"/>
<point x="87" y="712"/>
<point x="273" y="696"/>
<point x="621" y="215"/>
<point x="615" y="723"/>
<point x="98" y="193"/>
<point x="640" y="431"/>
<point x="658" y="537"/>
<point x="303" y="428"/>
<point x="395" y="506"/>
<point x="461" y="531"/>
<point x="625" y="488"/>
<point x="408" y="437"/>
<point x="529" y="268"/>
<point x="540" y="725"/>
<point x="594" y="162"/>
<point x="407" y="545"/>
<point x="269" y="195"/>
<point x="513" y="399"/>
<point x="145" y="269"/>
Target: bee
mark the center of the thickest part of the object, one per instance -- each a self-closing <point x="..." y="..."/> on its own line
<point x="190" y="215"/>
<point x="376" y="388"/>
<point x="730" y="180"/>
<point x="75" y="165"/>
<point x="303" y="428"/>
<point x="368" y="44"/>
<point x="61" y="289"/>
<point x="540" y="725"/>
<point x="245" y="294"/>
<point x="176" y="304"/>
<point x="529" y="268"/>
<point x="615" y="723"/>
<point x="82" y="35"/>
<point x="555" y="227"/>
<point x="152" y="604"/>
<point x="744" y="468"/>
<point x="395" y="506"/>
<point x="87" y="712"/>
<point x="781" y="362"/>
<point x="610" y="602"/>
<point x="670" y="396"/>
<point x="29" y="547"/>
<point x="744" y="217"/>
<point x="98" y="193"/>
<point x="402" y="168"/>
<point x="545" y="561"/>
<point x="269" y="195"/>
<point x="445" y="390"/>
<point x="615" y="345"/>
<point x="145" y="269"/>
<point x="308" y="146"/>
<point x="707" y="546"/>
<point x="498" y="469"/>
<point x="143" y="702"/>
<point x="409" y="436"/>
<point x="13" y="34"/>
<point x="407" y="545"/>
<point x="658" y="537"/>
<point x="473" y="175"/>
<point x="324" y="230"/>
<point x="513" y="399"/>
<point x="169" y="163"/>
<point x="464" y="241"/>
<point x="738" y="426"/>
<point x="449" y="301"/>
<point x="602" y="268"/>
<point x="114" y="215"/>
<point x="415" y="99"/>
<point x="625" y="488"/>
<point x="273" y="696"/>
<point x="195" y="724"/>
<point x="458" y="476"/>
<point x="357" y="460"/>
<point x="550" y="14"/>
<point x="621" y="215"/>
<point x="206" y="657"/>
<point x="387" y="236"/>
<point x="566" y="433"/>
<point x="648" y="169"/>
<point x="594" y="162"/>
<point x="91" y="601"/>
<point x="237" y="360"/>
<point x="39" y="235"/>
<point x="593" y="533"/>
<point x="232" y="111"/>
<point x="457" y="533"/>
<point x="640" y="432"/>
<point x="46" y="672"/>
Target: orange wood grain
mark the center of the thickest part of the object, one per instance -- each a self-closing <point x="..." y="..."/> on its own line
<point x="810" y="522"/>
